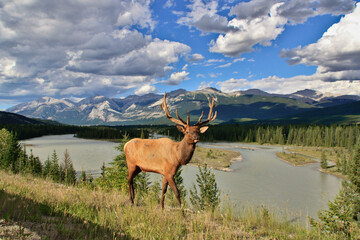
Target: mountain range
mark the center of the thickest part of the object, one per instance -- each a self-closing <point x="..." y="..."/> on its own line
<point x="251" y="105"/>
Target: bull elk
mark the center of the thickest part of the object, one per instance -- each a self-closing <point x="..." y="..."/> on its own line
<point x="164" y="156"/>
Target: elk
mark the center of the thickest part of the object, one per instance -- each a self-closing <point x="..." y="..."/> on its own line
<point x="164" y="156"/>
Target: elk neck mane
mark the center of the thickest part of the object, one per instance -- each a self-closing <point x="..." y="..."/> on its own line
<point x="186" y="151"/>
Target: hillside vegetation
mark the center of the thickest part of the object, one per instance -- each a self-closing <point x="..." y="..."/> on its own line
<point x="58" y="211"/>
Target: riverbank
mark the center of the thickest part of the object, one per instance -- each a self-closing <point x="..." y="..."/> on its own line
<point x="219" y="159"/>
<point x="309" y="155"/>
<point x="295" y="159"/>
<point x="34" y="207"/>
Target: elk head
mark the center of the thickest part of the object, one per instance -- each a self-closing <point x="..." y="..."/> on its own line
<point x="191" y="132"/>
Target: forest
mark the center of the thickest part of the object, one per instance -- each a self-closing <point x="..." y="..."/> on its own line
<point x="300" y="135"/>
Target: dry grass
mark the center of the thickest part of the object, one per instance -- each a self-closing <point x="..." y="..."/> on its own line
<point x="215" y="158"/>
<point x="56" y="211"/>
<point x="295" y="159"/>
<point x="315" y="152"/>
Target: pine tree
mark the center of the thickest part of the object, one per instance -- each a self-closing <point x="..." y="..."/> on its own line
<point x="54" y="167"/>
<point x="83" y="177"/>
<point x="69" y="171"/>
<point x="47" y="167"/>
<point x="9" y="151"/>
<point x="23" y="160"/>
<point x="208" y="197"/>
<point x="343" y="215"/>
<point x="323" y="160"/>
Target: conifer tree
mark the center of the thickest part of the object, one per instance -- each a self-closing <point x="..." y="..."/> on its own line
<point x="323" y="160"/>
<point x="69" y="171"/>
<point x="208" y="195"/>
<point x="54" y="167"/>
<point x="47" y="167"/>
<point x="343" y="215"/>
<point x="83" y="177"/>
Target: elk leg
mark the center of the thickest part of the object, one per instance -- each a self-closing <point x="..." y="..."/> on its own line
<point x="174" y="188"/>
<point x="132" y="172"/>
<point x="164" y="189"/>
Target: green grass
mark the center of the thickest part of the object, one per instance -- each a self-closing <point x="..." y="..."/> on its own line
<point x="56" y="211"/>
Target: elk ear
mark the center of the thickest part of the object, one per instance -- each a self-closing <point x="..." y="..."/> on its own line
<point x="181" y="128"/>
<point x="203" y="129"/>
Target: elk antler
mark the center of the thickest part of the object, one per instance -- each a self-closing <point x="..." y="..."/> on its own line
<point x="211" y="117"/>
<point x="177" y="121"/>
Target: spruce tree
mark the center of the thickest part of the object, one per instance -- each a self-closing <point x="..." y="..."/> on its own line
<point x="54" y="167"/>
<point x="69" y="171"/>
<point x="343" y="215"/>
<point x="323" y="160"/>
<point x="47" y="167"/>
<point x="206" y="196"/>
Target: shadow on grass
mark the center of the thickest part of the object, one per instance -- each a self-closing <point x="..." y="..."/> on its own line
<point x="49" y="224"/>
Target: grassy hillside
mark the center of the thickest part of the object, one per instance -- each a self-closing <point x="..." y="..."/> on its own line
<point x="56" y="211"/>
<point x="13" y="118"/>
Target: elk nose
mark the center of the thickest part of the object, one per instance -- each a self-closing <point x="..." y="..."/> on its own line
<point x="197" y="138"/>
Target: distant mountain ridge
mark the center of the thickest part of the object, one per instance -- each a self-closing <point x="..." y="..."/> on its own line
<point x="252" y="104"/>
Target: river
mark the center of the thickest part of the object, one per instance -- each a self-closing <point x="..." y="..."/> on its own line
<point x="259" y="179"/>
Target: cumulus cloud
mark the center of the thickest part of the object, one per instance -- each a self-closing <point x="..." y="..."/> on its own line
<point x="336" y="53"/>
<point x="205" y="18"/>
<point x="255" y="21"/>
<point x="145" y="89"/>
<point x="274" y="84"/>
<point x="250" y="32"/>
<point x="196" y="57"/>
<point x="204" y="85"/>
<point x="78" y="48"/>
<point x="296" y="11"/>
<point x="233" y="84"/>
<point x="177" y="77"/>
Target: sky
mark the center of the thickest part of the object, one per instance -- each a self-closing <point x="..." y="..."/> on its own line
<point x="114" y="48"/>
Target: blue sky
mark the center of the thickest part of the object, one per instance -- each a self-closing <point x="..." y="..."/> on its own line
<point x="77" y="49"/>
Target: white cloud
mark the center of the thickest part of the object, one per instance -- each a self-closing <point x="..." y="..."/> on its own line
<point x="225" y="65"/>
<point x="274" y="84"/>
<point x="255" y="21"/>
<point x="296" y="11"/>
<point x="204" y="85"/>
<point x="249" y="32"/>
<point x="196" y="57"/>
<point x="78" y="48"/>
<point x="145" y="89"/>
<point x="169" y="4"/>
<point x="336" y="53"/>
<point x="239" y="60"/>
<point x="205" y="18"/>
<point x="177" y="77"/>
<point x="233" y="85"/>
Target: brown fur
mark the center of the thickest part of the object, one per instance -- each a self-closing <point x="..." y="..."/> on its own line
<point x="163" y="156"/>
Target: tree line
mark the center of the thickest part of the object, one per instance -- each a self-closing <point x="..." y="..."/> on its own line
<point x="301" y="135"/>
<point x="26" y="131"/>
